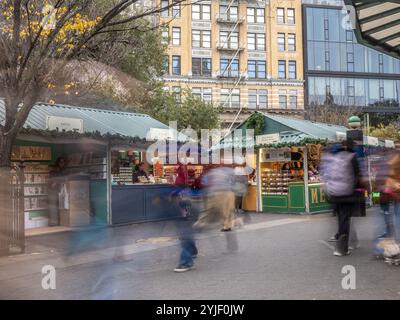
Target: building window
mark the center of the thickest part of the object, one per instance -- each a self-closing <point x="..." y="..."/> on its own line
<point x="292" y="70"/>
<point x="380" y="59"/>
<point x="176" y="36"/>
<point x="228" y="13"/>
<point x="196" y="12"/>
<point x="257" y="99"/>
<point x="176" y="9"/>
<point x="230" y="98"/>
<point x="351" y="94"/>
<point x="196" y="38"/>
<point x="201" y="39"/>
<point x="349" y="36"/>
<point x="165" y="65"/>
<point x="282" y="69"/>
<point x="177" y="94"/>
<point x="350" y="61"/>
<point x="201" y="12"/>
<point x="290" y="16"/>
<point x="251" y="41"/>
<point x="260" y="15"/>
<point x="256" y="41"/>
<point x="176" y="65"/>
<point x="201" y="67"/>
<point x="229" y="43"/>
<point x="229" y="68"/>
<point x="280" y="15"/>
<point x="255" y="15"/>
<point x="282" y="99"/>
<point x="165" y="37"/>
<point x="381" y="90"/>
<point x="293" y="99"/>
<point x="164" y="8"/>
<point x="291" y="42"/>
<point x="327" y="61"/>
<point x="204" y="94"/>
<point x="326" y="29"/>
<point x="256" y="69"/>
<point x="350" y="91"/>
<point x="281" y="42"/>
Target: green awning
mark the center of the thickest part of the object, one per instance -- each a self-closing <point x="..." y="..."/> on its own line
<point x="105" y="122"/>
<point x="378" y="24"/>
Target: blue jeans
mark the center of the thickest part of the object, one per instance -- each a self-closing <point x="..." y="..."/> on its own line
<point x="397" y="220"/>
<point x="188" y="251"/>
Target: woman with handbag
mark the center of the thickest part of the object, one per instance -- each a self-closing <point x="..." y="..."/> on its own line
<point x="392" y="187"/>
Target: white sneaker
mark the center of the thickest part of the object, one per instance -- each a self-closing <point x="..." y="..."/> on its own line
<point x="183" y="268"/>
<point x="339" y="254"/>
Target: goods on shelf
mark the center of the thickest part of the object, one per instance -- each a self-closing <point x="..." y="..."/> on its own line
<point x="124" y="175"/>
<point x="275" y="182"/>
<point x="87" y="163"/>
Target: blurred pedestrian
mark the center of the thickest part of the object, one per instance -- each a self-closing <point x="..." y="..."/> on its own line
<point x="57" y="180"/>
<point x="384" y="197"/>
<point x="240" y="184"/>
<point x="393" y="189"/>
<point x="341" y="177"/>
<point x="181" y="200"/>
<point x="220" y="198"/>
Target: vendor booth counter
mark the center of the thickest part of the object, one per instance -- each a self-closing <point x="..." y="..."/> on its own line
<point x="290" y="182"/>
<point x="295" y="201"/>
<point x="142" y="202"/>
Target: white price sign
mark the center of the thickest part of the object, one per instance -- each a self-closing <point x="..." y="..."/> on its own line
<point x="63" y="124"/>
<point x="268" y="139"/>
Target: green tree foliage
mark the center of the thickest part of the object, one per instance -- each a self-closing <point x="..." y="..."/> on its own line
<point x="191" y="112"/>
<point x="256" y="122"/>
<point x="145" y="62"/>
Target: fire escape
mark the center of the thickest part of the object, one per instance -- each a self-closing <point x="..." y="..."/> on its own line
<point x="230" y="21"/>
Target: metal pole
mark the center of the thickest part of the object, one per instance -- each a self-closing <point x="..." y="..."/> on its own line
<point x="306" y="189"/>
<point x="109" y="186"/>
<point x="258" y="175"/>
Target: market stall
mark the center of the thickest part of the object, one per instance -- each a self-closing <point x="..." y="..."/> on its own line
<point x="288" y="153"/>
<point x="286" y="174"/>
<point x="65" y="155"/>
<point x="149" y="197"/>
<point x="67" y="195"/>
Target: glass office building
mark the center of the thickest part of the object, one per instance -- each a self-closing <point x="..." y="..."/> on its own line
<point x="340" y="70"/>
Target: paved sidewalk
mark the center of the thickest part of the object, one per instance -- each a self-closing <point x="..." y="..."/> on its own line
<point x="108" y="243"/>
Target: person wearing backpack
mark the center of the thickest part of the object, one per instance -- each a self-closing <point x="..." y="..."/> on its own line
<point x="341" y="179"/>
<point x="393" y="188"/>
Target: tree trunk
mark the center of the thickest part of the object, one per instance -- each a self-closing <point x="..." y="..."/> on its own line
<point x="5" y="210"/>
<point x="6" y="143"/>
<point x="6" y="202"/>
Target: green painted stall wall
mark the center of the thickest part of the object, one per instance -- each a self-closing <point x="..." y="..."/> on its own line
<point x="98" y="200"/>
<point x="297" y="201"/>
<point x="317" y="198"/>
<point x="275" y="203"/>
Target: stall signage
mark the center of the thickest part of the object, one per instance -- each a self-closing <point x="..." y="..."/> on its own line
<point x="160" y="134"/>
<point x="63" y="124"/>
<point x="30" y="153"/>
<point x="371" y="141"/>
<point x="275" y="155"/>
<point x="267" y="138"/>
<point x="340" y="136"/>
<point x="389" y="144"/>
